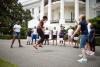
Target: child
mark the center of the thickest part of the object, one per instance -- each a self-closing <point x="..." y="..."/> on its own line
<point x="91" y="40"/>
<point x="61" y="36"/>
<point x="29" y="36"/>
<point x="46" y="33"/>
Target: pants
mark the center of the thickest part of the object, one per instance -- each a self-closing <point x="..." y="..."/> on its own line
<point x="92" y="45"/>
<point x="41" y="34"/>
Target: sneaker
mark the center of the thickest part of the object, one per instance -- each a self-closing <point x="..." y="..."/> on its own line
<point x="20" y="46"/>
<point x="92" y="53"/>
<point x="35" y="47"/>
<point x="80" y="55"/>
<point x="11" y="46"/>
<point x="82" y="60"/>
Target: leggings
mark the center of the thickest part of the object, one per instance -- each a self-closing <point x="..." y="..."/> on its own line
<point x="41" y="34"/>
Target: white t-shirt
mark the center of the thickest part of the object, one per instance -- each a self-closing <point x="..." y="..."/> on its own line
<point x="70" y="32"/>
<point x="89" y="27"/>
<point x="17" y="28"/>
<point x="54" y="32"/>
<point x="46" y="32"/>
<point x="34" y="31"/>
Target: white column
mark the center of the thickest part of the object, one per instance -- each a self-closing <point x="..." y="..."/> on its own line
<point x="42" y="9"/>
<point x="77" y="10"/>
<point x="87" y="9"/>
<point x="62" y="19"/>
<point x="36" y="13"/>
<point x="49" y="11"/>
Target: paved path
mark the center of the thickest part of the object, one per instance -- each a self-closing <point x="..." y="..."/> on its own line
<point x="48" y="56"/>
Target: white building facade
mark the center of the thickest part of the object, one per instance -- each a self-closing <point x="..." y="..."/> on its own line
<point x="62" y="12"/>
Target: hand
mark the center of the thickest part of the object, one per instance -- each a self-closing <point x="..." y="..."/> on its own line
<point x="72" y="36"/>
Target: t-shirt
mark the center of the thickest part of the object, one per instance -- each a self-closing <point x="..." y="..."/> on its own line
<point x="54" y="32"/>
<point x="61" y="33"/>
<point x="89" y="27"/>
<point x="17" y="28"/>
<point x="70" y="32"/>
<point x="34" y="31"/>
<point x="29" y="33"/>
<point x="84" y="30"/>
<point x="46" y="32"/>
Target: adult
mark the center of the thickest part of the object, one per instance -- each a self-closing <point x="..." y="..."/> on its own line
<point x="40" y="31"/>
<point x="82" y="27"/>
<point x="16" y="34"/>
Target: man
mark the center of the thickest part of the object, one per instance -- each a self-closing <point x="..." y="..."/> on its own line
<point x="40" y="31"/>
<point x="16" y="34"/>
<point x="82" y="27"/>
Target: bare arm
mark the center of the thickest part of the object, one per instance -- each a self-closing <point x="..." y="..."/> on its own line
<point x="77" y="30"/>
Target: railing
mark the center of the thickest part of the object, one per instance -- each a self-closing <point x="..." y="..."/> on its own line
<point x="46" y="1"/>
<point x="66" y="21"/>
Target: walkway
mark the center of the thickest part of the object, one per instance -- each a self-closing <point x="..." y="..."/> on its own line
<point x="48" y="56"/>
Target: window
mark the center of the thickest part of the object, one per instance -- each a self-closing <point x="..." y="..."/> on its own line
<point x="32" y="10"/>
<point x="98" y="13"/>
<point x="39" y="9"/>
<point x="97" y="1"/>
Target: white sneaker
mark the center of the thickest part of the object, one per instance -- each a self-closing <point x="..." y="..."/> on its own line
<point x="80" y="55"/>
<point x="92" y="53"/>
<point x="82" y="60"/>
<point x="88" y="52"/>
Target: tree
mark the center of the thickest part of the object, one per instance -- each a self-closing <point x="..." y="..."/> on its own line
<point x="10" y="12"/>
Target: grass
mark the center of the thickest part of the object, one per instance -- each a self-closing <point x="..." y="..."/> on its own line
<point x="4" y="63"/>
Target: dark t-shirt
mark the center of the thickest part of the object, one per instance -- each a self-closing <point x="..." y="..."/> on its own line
<point x="84" y="30"/>
<point x="29" y="33"/>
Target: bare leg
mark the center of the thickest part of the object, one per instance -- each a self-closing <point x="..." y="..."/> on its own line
<point x="53" y="41"/>
<point x="19" y="42"/>
<point x="12" y="42"/>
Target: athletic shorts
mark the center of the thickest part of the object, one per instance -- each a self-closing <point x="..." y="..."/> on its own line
<point x="83" y="39"/>
<point x="54" y="37"/>
<point x="17" y="34"/>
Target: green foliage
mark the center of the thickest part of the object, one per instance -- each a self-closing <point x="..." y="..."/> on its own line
<point x="97" y="41"/>
<point x="10" y="12"/>
<point x="96" y="23"/>
<point x="4" y="63"/>
<point x="65" y="37"/>
<point x="5" y="37"/>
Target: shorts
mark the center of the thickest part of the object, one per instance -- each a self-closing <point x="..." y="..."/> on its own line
<point x="61" y="36"/>
<point x="29" y="38"/>
<point x="46" y="36"/>
<point x="54" y="37"/>
<point x="76" y="38"/>
<point x="16" y="34"/>
<point x="83" y="39"/>
<point x="34" y="36"/>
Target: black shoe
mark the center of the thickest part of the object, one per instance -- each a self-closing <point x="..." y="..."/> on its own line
<point x="20" y="46"/>
<point x="74" y="47"/>
<point x="35" y="47"/>
<point x="11" y="46"/>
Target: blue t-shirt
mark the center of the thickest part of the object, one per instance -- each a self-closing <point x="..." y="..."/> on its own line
<point x="84" y="30"/>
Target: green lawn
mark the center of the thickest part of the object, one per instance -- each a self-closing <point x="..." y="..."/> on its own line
<point x="4" y="63"/>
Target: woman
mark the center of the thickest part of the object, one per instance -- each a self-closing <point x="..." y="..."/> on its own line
<point x="40" y="32"/>
<point x="82" y="27"/>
